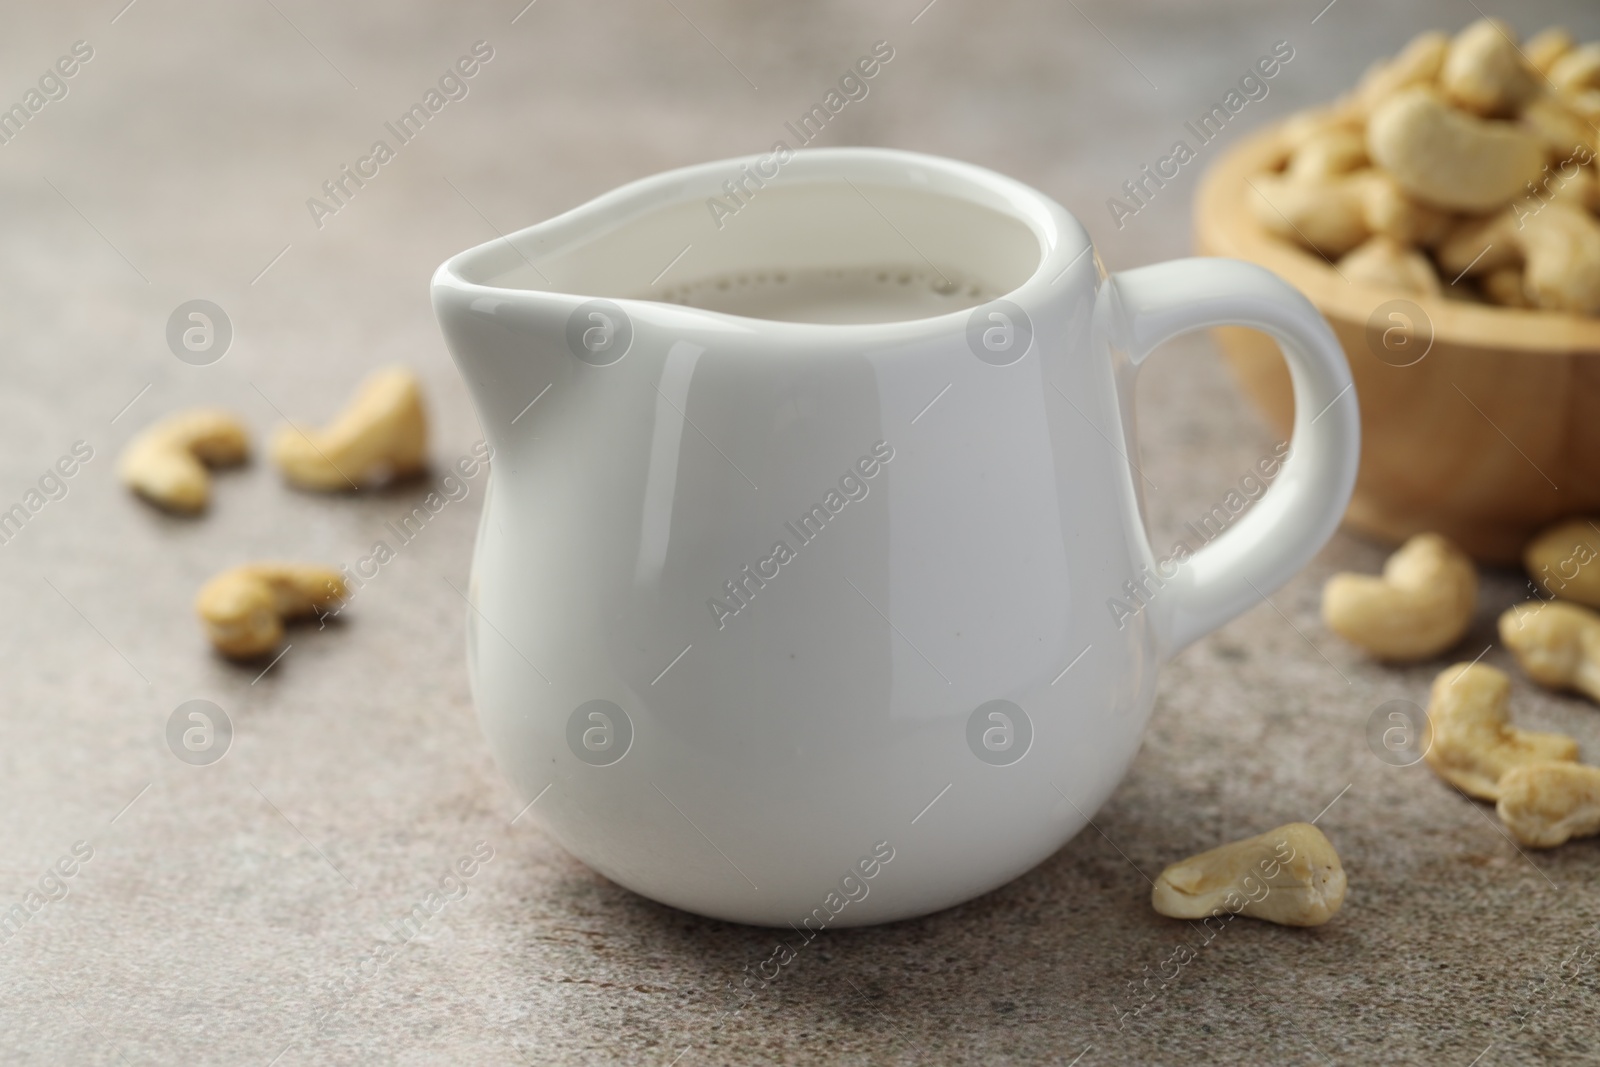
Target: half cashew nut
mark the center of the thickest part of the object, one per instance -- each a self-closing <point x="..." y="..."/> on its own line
<point x="382" y="435"/>
<point x="1474" y="743"/>
<point x="166" y="463"/>
<point x="1449" y="158"/>
<point x="1557" y="644"/>
<point x="1291" y="876"/>
<point x="1420" y="607"/>
<point x="1547" y="804"/>
<point x="243" y="608"/>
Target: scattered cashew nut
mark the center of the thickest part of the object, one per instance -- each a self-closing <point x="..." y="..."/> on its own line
<point x="1557" y="644"/>
<point x="1567" y="547"/>
<point x="1547" y="804"/>
<point x="1449" y="158"/>
<point x="1484" y="71"/>
<point x="166" y="463"/>
<point x="1421" y="605"/>
<point x="380" y="436"/>
<point x="243" y="608"/>
<point x="1290" y="876"/>
<point x="1474" y="743"/>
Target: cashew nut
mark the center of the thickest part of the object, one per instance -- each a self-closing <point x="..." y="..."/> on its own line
<point x="1581" y="189"/>
<point x="1457" y="157"/>
<point x="1474" y="743"/>
<point x="1585" y="103"/>
<point x="1390" y="212"/>
<point x="1290" y="876"/>
<point x="1485" y="73"/>
<point x="166" y="463"/>
<point x="1388" y="264"/>
<point x="1504" y="286"/>
<point x="243" y="608"/>
<point x="1559" y="561"/>
<point x="1448" y="158"/>
<point x="1562" y="246"/>
<point x="1325" y="215"/>
<point x="1558" y="644"/>
<point x="1337" y="150"/>
<point x="1547" y="46"/>
<point x="1547" y="804"/>
<point x="1564" y="134"/>
<point x="1420" y="607"/>
<point x="1578" y="69"/>
<point x="1480" y="244"/>
<point x="380" y="436"/>
<point x="1306" y="126"/>
<point x="1418" y="63"/>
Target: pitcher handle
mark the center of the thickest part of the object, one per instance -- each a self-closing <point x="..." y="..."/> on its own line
<point x="1299" y="512"/>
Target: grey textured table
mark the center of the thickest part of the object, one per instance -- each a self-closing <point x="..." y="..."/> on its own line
<point x="247" y="910"/>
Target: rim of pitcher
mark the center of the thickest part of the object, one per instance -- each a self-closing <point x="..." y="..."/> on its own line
<point x="1062" y="241"/>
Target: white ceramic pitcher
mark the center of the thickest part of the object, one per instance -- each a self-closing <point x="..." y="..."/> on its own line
<point x="927" y="689"/>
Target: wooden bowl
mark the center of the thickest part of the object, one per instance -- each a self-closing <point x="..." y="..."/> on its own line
<point x="1488" y="437"/>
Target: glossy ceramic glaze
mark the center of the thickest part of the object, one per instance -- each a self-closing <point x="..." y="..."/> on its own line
<point x="830" y="753"/>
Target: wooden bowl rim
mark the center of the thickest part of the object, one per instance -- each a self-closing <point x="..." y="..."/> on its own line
<point x="1225" y="226"/>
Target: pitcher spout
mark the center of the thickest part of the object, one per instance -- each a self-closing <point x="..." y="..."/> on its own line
<point x="639" y="270"/>
<point x="506" y="346"/>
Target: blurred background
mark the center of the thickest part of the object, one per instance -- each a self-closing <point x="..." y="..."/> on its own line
<point x="246" y="912"/>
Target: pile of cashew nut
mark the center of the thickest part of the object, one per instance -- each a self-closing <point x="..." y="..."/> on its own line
<point x="1462" y="168"/>
<point x="380" y="436"/>
<point x="1421" y="607"/>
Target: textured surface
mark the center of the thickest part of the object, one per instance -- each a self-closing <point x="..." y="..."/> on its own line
<point x="232" y="912"/>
